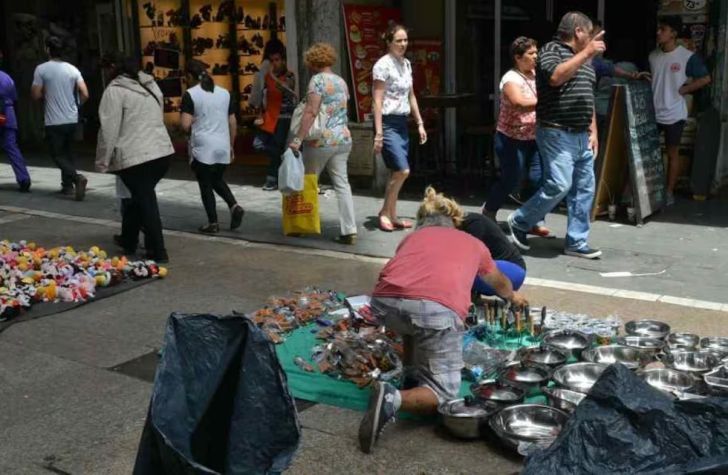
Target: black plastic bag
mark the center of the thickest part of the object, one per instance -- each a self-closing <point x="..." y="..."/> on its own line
<point x="627" y="426"/>
<point x="220" y="402"/>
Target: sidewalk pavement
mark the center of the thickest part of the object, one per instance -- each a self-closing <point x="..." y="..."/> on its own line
<point x="678" y="256"/>
<point x="75" y="386"/>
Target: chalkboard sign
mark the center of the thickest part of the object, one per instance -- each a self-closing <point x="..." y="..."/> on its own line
<point x="646" y="166"/>
<point x="631" y="152"/>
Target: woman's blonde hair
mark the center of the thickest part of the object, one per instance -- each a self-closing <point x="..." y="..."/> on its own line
<point x="435" y="206"/>
<point x="319" y="56"/>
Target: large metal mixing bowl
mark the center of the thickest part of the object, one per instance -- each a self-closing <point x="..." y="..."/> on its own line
<point x="497" y="392"/>
<point x="647" y="328"/>
<point x="528" y="423"/>
<point x="699" y="361"/>
<point x="579" y="377"/>
<point x="682" y="341"/>
<point x="465" y="418"/>
<point x="546" y="356"/>
<point x="650" y="345"/>
<point x="564" y="399"/>
<point x="525" y="376"/>
<point x="667" y="380"/>
<point x="570" y="342"/>
<point x="632" y="358"/>
<point x="717" y="381"/>
<point x="717" y="343"/>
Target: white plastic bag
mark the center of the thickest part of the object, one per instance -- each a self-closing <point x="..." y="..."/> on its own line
<point x="290" y="173"/>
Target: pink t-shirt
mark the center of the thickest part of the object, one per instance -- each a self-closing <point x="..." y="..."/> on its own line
<point x="513" y="121"/>
<point x="436" y="263"/>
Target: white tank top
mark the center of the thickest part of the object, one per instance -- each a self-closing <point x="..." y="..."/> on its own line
<point x="210" y="139"/>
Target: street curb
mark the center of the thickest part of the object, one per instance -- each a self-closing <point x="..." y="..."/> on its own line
<point x="532" y="281"/>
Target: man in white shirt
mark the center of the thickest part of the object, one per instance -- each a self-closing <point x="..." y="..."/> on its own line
<point x="672" y="65"/>
<point x="62" y="88"/>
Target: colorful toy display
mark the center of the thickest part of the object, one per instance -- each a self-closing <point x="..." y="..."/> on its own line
<point x="30" y="274"/>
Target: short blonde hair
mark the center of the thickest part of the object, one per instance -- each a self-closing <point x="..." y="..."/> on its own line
<point x="319" y="56"/>
<point x="436" y="205"/>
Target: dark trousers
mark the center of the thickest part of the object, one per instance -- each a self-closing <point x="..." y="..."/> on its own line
<point x="142" y="210"/>
<point x="9" y="143"/>
<point x="276" y="144"/>
<point x="210" y="179"/>
<point x="59" y="139"/>
<point x="518" y="159"/>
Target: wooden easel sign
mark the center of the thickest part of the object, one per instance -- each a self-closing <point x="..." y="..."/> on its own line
<point x="631" y="155"/>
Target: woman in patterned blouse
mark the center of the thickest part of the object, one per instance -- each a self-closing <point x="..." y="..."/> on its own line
<point x="393" y="101"/>
<point x="331" y="151"/>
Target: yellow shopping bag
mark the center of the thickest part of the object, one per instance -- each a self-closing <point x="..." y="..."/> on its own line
<point x="301" y="210"/>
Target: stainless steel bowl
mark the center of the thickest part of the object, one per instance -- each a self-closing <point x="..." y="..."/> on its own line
<point x="647" y="328"/>
<point x="570" y="342"/>
<point x="632" y="358"/>
<point x="525" y="376"/>
<point x="650" y="345"/>
<point x="717" y="381"/>
<point x="464" y="418"/>
<point x="579" y="377"/>
<point x="546" y="356"/>
<point x="669" y="381"/>
<point x="564" y="399"/>
<point x="682" y="341"/>
<point x="700" y="361"/>
<point x="498" y="393"/>
<point x="719" y="343"/>
<point x="534" y="423"/>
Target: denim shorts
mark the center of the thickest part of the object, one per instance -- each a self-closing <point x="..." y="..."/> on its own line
<point x="433" y="340"/>
<point x="395" y="144"/>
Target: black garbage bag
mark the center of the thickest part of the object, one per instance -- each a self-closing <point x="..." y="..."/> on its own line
<point x="625" y="426"/>
<point x="220" y="402"/>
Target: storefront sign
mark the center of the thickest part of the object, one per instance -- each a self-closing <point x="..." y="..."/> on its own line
<point x="364" y="28"/>
<point x="632" y="142"/>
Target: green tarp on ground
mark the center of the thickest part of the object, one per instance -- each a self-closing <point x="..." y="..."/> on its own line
<point x="321" y="388"/>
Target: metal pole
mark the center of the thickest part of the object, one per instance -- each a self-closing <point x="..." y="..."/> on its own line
<point x="600" y="12"/>
<point x="450" y="83"/>
<point x="497" y="17"/>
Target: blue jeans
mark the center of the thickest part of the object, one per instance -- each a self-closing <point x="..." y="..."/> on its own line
<point x="516" y="157"/>
<point x="568" y="172"/>
<point x="515" y="273"/>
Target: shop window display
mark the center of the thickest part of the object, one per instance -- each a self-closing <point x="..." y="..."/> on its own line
<point x="227" y="35"/>
<point x="161" y="34"/>
<point x="262" y="20"/>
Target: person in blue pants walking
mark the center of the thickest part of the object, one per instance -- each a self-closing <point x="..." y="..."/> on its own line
<point x="9" y="131"/>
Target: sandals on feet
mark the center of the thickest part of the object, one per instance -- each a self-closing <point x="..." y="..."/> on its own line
<point x="404" y="224"/>
<point x="385" y="224"/>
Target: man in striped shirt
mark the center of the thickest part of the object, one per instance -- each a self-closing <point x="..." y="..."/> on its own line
<point x="566" y="134"/>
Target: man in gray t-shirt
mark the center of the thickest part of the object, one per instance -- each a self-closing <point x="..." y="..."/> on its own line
<point x="60" y="85"/>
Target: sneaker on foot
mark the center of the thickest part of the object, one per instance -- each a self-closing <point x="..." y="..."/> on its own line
<point x="24" y="186"/>
<point x="66" y="190"/>
<point x="379" y="413"/>
<point x="670" y="199"/>
<point x="586" y="252"/>
<point x="81" y="182"/>
<point x="517" y="236"/>
<point x="236" y="218"/>
<point x="270" y="184"/>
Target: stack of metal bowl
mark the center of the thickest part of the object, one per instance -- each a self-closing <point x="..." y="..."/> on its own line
<point x="579" y="377"/>
<point x="647" y="328"/>
<point x="631" y="357"/>
<point x="570" y="342"/>
<point x="529" y="423"/>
